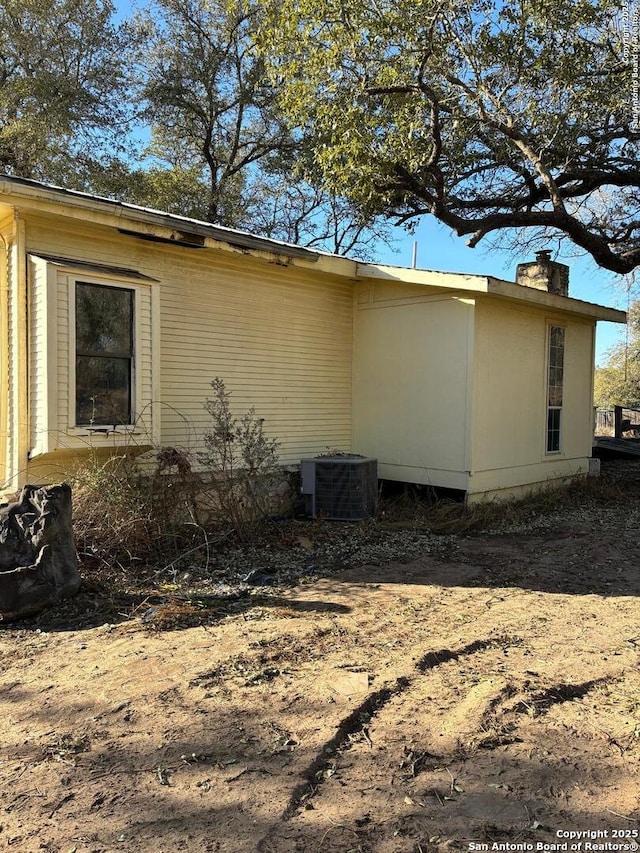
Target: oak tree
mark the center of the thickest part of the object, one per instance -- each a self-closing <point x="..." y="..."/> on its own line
<point x="63" y="88"/>
<point x="489" y="115"/>
<point x="216" y="121"/>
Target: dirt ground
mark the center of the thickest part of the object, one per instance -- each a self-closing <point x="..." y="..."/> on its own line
<point x="486" y="692"/>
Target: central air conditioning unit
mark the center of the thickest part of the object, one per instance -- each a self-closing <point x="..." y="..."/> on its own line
<point x="342" y="487"/>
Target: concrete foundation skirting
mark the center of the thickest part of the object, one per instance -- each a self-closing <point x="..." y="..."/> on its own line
<point x="594" y="467"/>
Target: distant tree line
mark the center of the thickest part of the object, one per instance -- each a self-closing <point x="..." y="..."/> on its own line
<point x="617" y="382"/>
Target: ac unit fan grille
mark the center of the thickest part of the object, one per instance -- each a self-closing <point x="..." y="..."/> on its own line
<point x="345" y="489"/>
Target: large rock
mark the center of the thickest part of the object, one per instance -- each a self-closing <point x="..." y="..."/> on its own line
<point x="38" y="563"/>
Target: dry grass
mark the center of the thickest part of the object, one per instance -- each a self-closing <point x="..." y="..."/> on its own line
<point x="450" y="517"/>
<point x="126" y="517"/>
<point x="137" y="525"/>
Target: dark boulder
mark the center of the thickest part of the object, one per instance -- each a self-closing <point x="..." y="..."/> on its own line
<point x="38" y="563"/>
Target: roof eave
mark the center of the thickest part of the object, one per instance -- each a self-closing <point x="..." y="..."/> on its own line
<point x="183" y="231"/>
<point x="35" y="191"/>
<point x="423" y="278"/>
<point x="492" y="287"/>
<point x="542" y="298"/>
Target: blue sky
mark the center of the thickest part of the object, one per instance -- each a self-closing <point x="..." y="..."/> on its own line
<point x="440" y="249"/>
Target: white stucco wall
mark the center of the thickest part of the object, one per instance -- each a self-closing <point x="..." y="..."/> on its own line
<point x="510" y="398"/>
<point x="412" y="382"/>
<point x="451" y="390"/>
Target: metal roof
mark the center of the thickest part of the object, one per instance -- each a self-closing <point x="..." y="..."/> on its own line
<point x="183" y="224"/>
<point x="191" y="233"/>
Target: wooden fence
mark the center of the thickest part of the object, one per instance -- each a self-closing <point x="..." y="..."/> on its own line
<point x="620" y="421"/>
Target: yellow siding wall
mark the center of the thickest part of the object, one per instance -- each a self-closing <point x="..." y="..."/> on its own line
<point x="38" y="348"/>
<point x="280" y="338"/>
<point x="14" y="325"/>
<point x="10" y="364"/>
<point x="62" y="367"/>
<point x="509" y="399"/>
<point x="443" y="388"/>
<point x="6" y="219"/>
<point x="411" y="383"/>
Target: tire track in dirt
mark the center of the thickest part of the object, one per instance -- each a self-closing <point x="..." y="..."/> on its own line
<point x="355" y="722"/>
<point x="541" y="703"/>
<point x="499" y="724"/>
<point x="433" y="659"/>
<point x="493" y="722"/>
<point x="315" y="774"/>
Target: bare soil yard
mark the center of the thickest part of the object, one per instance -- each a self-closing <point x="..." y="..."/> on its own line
<point x="487" y="691"/>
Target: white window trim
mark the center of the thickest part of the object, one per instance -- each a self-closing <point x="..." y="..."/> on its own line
<point x="552" y="324"/>
<point x="136" y="401"/>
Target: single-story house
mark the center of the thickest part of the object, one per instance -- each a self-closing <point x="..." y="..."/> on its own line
<point x="114" y="319"/>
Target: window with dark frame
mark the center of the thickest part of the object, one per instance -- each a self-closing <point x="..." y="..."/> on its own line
<point x="555" y="378"/>
<point x="104" y="354"/>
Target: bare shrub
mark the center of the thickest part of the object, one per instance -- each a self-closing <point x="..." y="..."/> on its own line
<point x="126" y="514"/>
<point x="241" y="462"/>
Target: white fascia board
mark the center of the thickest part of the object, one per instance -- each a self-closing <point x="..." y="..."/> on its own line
<point x="544" y="299"/>
<point x="424" y="278"/>
<point x="491" y="287"/>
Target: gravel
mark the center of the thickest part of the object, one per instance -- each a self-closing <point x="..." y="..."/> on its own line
<point x="340" y="545"/>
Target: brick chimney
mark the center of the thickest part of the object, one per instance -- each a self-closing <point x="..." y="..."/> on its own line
<point x="544" y="274"/>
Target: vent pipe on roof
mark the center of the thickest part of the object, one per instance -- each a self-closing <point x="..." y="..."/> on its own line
<point x="544" y="274"/>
